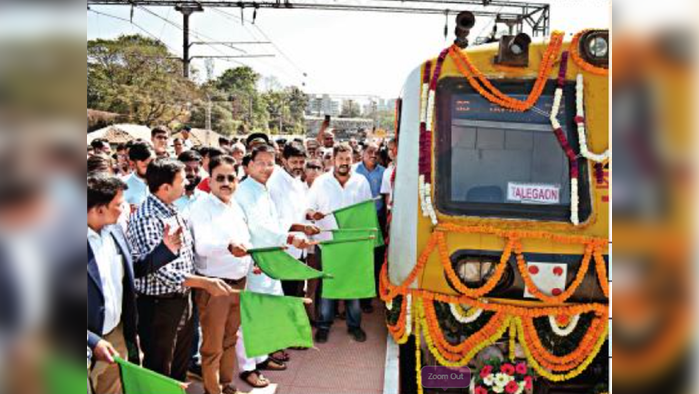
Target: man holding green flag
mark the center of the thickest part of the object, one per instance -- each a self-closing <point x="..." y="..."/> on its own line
<point x="330" y="192"/>
<point x="221" y="240"/>
<point x="266" y="230"/>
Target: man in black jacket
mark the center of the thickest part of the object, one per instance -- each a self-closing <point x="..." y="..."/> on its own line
<point x="111" y="294"/>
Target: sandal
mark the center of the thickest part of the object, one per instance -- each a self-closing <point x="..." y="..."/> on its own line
<point x="259" y="381"/>
<point x="271" y="365"/>
<point x="281" y="356"/>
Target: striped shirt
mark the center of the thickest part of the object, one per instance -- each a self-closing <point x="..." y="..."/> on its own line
<point x="146" y="233"/>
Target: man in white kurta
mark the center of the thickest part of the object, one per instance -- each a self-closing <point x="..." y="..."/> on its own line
<point x="266" y="230"/>
<point x="332" y="191"/>
<point x="290" y="197"/>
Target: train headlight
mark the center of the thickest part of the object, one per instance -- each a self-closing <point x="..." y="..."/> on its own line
<point x="474" y="270"/>
<point x="599" y="47"/>
<point x="594" y="47"/>
<point x="464" y="23"/>
<point x="514" y="50"/>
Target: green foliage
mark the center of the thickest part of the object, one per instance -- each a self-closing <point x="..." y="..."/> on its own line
<point x="137" y="77"/>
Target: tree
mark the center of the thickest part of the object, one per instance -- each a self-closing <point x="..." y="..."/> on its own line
<point x="350" y="109"/>
<point x="383" y="119"/>
<point x="222" y="117"/>
<point x="240" y="84"/>
<point x="137" y="76"/>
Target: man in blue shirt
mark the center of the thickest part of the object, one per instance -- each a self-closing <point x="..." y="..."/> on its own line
<point x="373" y="172"/>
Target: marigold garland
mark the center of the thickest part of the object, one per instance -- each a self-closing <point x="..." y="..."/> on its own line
<point x="513" y="341"/>
<point x="465" y="317"/>
<point x="467" y="357"/>
<point x="401" y="330"/>
<point x="579" y="61"/>
<point x="569" y="361"/>
<point x="389" y="294"/>
<point x="418" y="346"/>
<point x="454" y="278"/>
<point x="563" y="297"/>
<point x="570" y="375"/>
<point x="601" y="266"/>
<point x="565" y="329"/>
<point x="510" y="310"/>
<point x="425" y="320"/>
<point x="483" y="86"/>
<point x="455" y="351"/>
<point x="388" y="291"/>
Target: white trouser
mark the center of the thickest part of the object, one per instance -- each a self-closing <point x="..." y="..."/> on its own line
<point x="246" y="364"/>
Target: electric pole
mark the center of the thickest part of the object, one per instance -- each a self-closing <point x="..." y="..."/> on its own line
<point x="187" y="10"/>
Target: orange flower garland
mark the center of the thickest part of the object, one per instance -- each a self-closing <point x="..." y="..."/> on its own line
<point x="559" y="299"/>
<point x="579" y="61"/>
<point x="602" y="272"/>
<point x="455" y="352"/>
<point x="486" y="288"/>
<point x="506" y="316"/>
<point x="481" y="84"/>
<point x="542" y="371"/>
<point x="569" y="361"/>
<point x="513" y="341"/>
<point x="511" y="310"/>
<point x="418" y="346"/>
<point x="521" y="234"/>
<point x="398" y="330"/>
<point x="465" y="359"/>
<point x="388" y="294"/>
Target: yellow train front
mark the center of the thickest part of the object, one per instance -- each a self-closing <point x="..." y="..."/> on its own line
<point x="499" y="233"/>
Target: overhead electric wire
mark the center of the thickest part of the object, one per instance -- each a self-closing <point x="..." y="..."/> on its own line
<point x="271" y="42"/>
<point x="135" y="25"/>
<point x="199" y="35"/>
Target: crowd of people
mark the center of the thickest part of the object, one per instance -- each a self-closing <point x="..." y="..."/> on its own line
<point x="170" y="224"/>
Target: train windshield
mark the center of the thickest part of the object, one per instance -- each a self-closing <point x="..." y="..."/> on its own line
<point x="494" y="162"/>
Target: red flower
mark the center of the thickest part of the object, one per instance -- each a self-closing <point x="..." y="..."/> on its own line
<point x="481" y="390"/>
<point x="529" y="381"/>
<point x="507" y="369"/>
<point x="511" y="387"/>
<point x="521" y="368"/>
<point x="487" y="370"/>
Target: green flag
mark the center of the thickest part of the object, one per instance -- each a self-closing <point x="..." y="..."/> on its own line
<point x="278" y="264"/>
<point x="360" y="216"/>
<point x="351" y="263"/>
<point x="139" y="380"/>
<point x="272" y="323"/>
<point x="64" y="377"/>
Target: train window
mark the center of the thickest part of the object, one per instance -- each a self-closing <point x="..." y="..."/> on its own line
<point x="493" y="162"/>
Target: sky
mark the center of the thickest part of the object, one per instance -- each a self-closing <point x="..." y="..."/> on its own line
<point x="341" y="53"/>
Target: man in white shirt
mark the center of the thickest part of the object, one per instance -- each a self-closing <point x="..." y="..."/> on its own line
<point x="266" y="230"/>
<point x="140" y="155"/>
<point x="290" y="198"/>
<point x="331" y="191"/>
<point x="221" y="240"/>
<point x="111" y="298"/>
